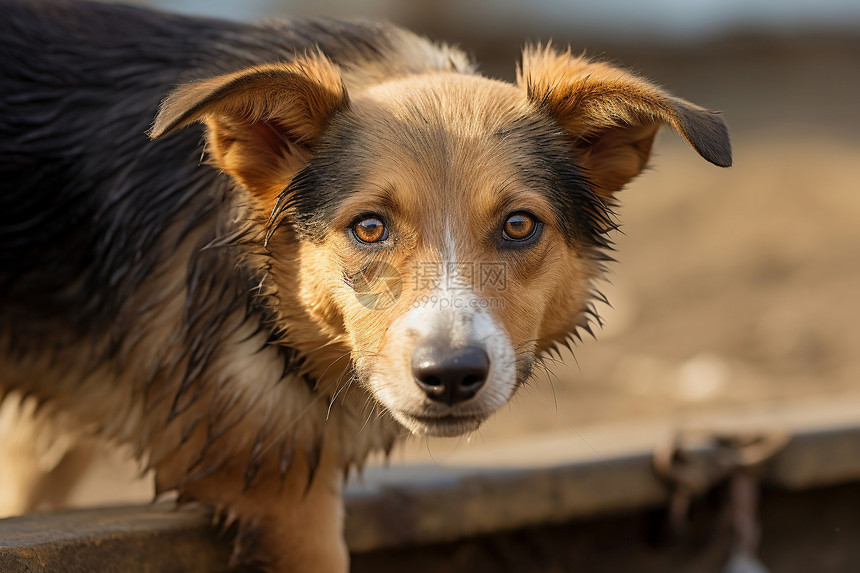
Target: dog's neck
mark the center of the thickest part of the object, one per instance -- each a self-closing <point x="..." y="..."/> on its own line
<point x="315" y="345"/>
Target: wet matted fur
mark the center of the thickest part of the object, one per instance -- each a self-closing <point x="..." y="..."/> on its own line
<point x="228" y="320"/>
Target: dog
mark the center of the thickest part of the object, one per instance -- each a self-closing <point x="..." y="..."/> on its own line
<point x="256" y="253"/>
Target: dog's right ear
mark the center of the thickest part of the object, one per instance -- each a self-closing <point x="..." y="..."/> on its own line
<point x="263" y="122"/>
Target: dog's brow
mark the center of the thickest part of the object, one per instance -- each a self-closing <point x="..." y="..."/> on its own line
<point x="386" y="193"/>
<point x="376" y="196"/>
<point x="506" y="132"/>
<point x="502" y="189"/>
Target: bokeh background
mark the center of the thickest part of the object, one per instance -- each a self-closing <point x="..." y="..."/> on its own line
<point x="735" y="289"/>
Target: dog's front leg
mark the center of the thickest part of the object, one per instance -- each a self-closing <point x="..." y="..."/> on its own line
<point x="303" y="530"/>
<point x="285" y="521"/>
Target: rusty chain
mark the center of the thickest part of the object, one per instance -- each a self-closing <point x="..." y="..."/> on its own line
<point x="693" y="462"/>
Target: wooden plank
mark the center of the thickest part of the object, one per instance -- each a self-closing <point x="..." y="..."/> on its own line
<point x="146" y="539"/>
<point x="600" y="470"/>
<point x="540" y="480"/>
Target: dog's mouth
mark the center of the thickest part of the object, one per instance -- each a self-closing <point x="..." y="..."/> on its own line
<point x="445" y="426"/>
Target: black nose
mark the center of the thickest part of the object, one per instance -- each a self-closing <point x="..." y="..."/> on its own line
<point x="450" y="375"/>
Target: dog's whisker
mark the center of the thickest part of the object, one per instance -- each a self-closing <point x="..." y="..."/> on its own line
<point x="569" y="425"/>
<point x="338" y="391"/>
<point x="369" y="416"/>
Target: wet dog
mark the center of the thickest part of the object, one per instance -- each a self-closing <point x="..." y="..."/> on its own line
<point x="380" y="238"/>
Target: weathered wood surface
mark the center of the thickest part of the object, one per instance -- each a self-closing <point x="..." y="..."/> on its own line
<point x="536" y="482"/>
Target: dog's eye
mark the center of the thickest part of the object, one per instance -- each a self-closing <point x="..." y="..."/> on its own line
<point x="520" y="227"/>
<point x="370" y="229"/>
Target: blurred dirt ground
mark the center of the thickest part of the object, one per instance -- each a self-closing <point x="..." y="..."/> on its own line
<point x="734" y="288"/>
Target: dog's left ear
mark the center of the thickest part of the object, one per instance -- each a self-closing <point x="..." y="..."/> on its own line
<point x="612" y="116"/>
<point x="263" y="122"/>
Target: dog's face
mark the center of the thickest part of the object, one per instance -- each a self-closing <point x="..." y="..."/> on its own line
<point x="448" y="226"/>
<point x="432" y="232"/>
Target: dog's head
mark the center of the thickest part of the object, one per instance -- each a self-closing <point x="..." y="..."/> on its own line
<point x="443" y="228"/>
